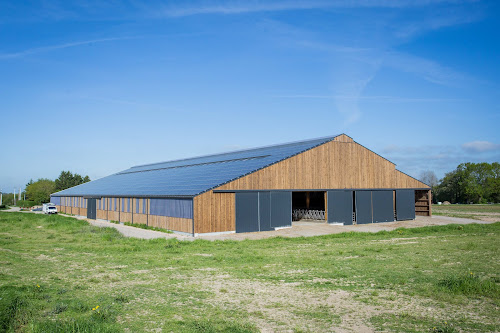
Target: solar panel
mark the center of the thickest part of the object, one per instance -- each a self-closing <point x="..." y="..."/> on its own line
<point x="192" y="176"/>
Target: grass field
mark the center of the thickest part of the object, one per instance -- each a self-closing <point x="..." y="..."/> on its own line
<point x="490" y="213"/>
<point x="59" y="274"/>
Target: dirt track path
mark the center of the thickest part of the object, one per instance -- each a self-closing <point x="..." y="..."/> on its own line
<point x="299" y="229"/>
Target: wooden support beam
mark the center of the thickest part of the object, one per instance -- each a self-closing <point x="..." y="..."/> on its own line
<point x="429" y="202"/>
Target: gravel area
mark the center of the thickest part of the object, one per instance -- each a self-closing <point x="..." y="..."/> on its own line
<point x="298" y="229"/>
<point x="129" y="231"/>
<point x="307" y="229"/>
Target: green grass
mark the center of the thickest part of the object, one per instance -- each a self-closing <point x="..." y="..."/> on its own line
<point x="470" y="284"/>
<point x="494" y="208"/>
<point x="55" y="270"/>
<point x="143" y="226"/>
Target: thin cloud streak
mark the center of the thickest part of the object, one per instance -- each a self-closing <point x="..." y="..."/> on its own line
<point x="427" y="69"/>
<point x="258" y="6"/>
<point x="374" y="98"/>
<point x="60" y="46"/>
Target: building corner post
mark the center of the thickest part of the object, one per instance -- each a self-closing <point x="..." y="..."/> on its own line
<point x="429" y="196"/>
<point x="192" y="219"/>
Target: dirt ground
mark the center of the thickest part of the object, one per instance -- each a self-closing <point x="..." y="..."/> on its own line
<point x="483" y="216"/>
<point x="273" y="306"/>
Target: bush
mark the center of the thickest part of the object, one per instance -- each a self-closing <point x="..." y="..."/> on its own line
<point x="25" y="203"/>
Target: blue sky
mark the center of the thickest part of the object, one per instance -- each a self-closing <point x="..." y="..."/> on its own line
<point x="95" y="87"/>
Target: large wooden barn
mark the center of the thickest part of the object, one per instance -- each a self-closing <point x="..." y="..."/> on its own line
<point x="334" y="179"/>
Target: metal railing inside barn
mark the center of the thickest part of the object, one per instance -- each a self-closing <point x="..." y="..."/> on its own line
<point x="307" y="214"/>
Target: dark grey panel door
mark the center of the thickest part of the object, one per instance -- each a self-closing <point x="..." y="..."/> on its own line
<point x="339" y="207"/>
<point x="265" y="211"/>
<point x="405" y="205"/>
<point x="91" y="209"/>
<point x="281" y="209"/>
<point x="383" y="206"/>
<point x="247" y="211"/>
<point x="363" y="207"/>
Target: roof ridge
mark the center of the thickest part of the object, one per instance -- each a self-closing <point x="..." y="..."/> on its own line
<point x="326" y="138"/>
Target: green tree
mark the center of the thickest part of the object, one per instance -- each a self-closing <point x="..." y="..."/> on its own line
<point x="40" y="191"/>
<point x="492" y="184"/>
<point x="470" y="183"/>
<point x="67" y="179"/>
<point x="8" y="199"/>
<point x="449" y="189"/>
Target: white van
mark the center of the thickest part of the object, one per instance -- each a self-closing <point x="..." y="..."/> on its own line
<point x="49" y="208"/>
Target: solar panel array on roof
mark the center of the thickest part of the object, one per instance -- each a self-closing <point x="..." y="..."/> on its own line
<point x="189" y="177"/>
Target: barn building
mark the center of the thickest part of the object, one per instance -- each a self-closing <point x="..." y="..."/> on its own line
<point x="333" y="179"/>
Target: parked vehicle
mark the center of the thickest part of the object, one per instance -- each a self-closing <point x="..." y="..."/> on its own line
<point x="49" y="208"/>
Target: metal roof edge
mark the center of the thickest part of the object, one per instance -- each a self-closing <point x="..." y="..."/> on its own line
<point x="418" y="180"/>
<point x="323" y="189"/>
<point x="113" y="174"/>
<point x="126" y="196"/>
<point x="375" y="153"/>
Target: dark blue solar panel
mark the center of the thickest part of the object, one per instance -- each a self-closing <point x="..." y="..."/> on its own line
<point x="190" y="177"/>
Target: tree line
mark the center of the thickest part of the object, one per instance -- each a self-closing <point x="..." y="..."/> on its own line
<point x="468" y="183"/>
<point x="40" y="191"/>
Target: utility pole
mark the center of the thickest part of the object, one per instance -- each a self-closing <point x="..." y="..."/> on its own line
<point x="1" y="196"/>
<point x="14" y="194"/>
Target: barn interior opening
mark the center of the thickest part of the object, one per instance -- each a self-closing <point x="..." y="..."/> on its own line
<point x="308" y="205"/>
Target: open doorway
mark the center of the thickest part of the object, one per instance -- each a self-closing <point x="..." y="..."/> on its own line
<point x="309" y="206"/>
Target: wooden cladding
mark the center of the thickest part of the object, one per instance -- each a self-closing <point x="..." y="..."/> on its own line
<point x="171" y="223"/>
<point x="214" y="212"/>
<point x="343" y="138"/>
<point x="338" y="164"/>
<point x="404" y="181"/>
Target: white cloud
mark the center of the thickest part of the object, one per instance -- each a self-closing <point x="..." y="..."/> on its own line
<point x="439" y="158"/>
<point x="480" y="146"/>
